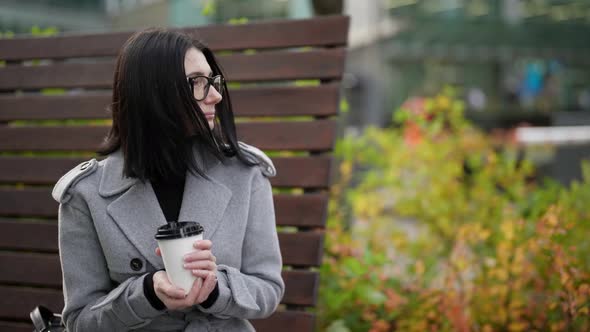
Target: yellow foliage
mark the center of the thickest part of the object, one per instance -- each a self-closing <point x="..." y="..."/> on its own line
<point x="507" y="228"/>
<point x="419" y="268"/>
<point x="487" y="328"/>
<point x="431" y="228"/>
<point x="518" y="326"/>
<point x="346" y="169"/>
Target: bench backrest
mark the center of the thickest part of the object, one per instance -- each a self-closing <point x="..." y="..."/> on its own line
<point x="53" y="94"/>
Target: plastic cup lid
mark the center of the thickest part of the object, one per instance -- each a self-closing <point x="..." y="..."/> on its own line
<point x="178" y="230"/>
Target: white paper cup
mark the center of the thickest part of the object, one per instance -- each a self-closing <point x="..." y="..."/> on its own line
<point x="175" y="240"/>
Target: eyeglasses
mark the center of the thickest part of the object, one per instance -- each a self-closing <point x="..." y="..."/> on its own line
<point x="200" y="85"/>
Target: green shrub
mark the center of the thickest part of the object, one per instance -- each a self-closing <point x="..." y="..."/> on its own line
<point x="432" y="227"/>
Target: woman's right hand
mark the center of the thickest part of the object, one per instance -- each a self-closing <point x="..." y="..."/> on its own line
<point x="173" y="297"/>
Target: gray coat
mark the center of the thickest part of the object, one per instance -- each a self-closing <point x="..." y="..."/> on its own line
<point x="107" y="224"/>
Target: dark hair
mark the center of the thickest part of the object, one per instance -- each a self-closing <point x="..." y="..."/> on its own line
<point x="156" y="119"/>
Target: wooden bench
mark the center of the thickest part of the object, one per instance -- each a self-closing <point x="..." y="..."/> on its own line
<point x="291" y="119"/>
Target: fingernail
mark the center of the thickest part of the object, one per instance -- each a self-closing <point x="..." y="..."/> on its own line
<point x="184" y="265"/>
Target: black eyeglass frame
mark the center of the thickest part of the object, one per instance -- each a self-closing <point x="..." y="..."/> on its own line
<point x="210" y="81"/>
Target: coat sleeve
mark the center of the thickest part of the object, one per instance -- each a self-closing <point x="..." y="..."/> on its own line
<point x="255" y="290"/>
<point x="92" y="302"/>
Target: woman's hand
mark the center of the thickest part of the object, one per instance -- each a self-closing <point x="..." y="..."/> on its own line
<point x="174" y="297"/>
<point x="201" y="262"/>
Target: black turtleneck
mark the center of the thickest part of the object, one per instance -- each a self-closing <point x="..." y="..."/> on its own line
<point x="169" y="194"/>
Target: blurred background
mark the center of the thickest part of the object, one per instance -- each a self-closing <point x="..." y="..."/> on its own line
<point x="460" y="199"/>
<point x="515" y="62"/>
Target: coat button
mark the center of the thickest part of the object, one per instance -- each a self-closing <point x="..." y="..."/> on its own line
<point x="136" y="264"/>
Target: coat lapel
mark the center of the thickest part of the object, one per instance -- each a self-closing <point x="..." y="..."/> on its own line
<point x="137" y="211"/>
<point x="204" y="201"/>
<point x="138" y="214"/>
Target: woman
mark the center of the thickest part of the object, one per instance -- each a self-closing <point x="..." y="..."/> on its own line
<point x="172" y="154"/>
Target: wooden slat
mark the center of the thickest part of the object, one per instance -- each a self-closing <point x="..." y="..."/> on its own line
<point x="68" y="75"/>
<point x="37" y="107"/>
<point x="35" y="202"/>
<point x="305" y="172"/>
<point x="253" y="101"/>
<point x="8" y="326"/>
<point x="300" y="286"/>
<point x="320" y="100"/>
<point x="312" y="172"/>
<point x="307" y="210"/>
<point x="282" y="66"/>
<point x="286" y="321"/>
<point x="319" y="31"/>
<point x="29" y="235"/>
<point x="18" y="302"/>
<point x="35" y="170"/>
<point x="51" y="138"/>
<point x="46" y="267"/>
<point x="264" y="66"/>
<point x="304" y="135"/>
<point x="300" y="249"/>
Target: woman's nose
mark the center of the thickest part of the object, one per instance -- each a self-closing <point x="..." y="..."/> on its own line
<point x="213" y="97"/>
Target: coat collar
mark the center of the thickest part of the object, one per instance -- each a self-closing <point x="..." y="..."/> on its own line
<point x="137" y="211"/>
<point x="113" y="181"/>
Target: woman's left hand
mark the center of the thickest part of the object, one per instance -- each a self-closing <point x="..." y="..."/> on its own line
<point x="201" y="262"/>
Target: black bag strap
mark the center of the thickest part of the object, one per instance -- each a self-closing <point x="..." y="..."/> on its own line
<point x="45" y="320"/>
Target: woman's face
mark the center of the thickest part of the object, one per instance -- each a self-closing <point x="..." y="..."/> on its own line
<point x="195" y="64"/>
